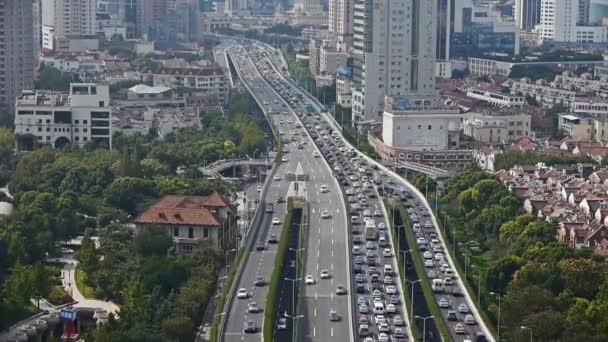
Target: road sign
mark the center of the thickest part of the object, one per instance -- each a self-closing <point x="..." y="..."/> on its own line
<point x="68" y="315"/>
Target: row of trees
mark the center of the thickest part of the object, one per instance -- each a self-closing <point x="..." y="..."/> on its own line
<point x="558" y="292"/>
<point x="505" y="161"/>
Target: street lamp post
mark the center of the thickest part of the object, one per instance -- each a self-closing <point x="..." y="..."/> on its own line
<point x="499" y="300"/>
<point x="297" y="252"/>
<point x="412" y="284"/>
<point x="399" y="236"/>
<point x="523" y="327"/>
<point x="478" y="276"/>
<point x="293" y="325"/>
<point x="424" y="326"/>
<point x="226" y="256"/>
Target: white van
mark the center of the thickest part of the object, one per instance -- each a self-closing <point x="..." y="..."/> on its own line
<point x="448" y="273"/>
<point x="437" y="285"/>
<point x="378" y="308"/>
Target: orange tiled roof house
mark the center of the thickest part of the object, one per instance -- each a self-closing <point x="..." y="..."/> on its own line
<point x="193" y="221"/>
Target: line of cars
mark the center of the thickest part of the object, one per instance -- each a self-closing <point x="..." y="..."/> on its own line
<point x="378" y="304"/>
<point x="439" y="272"/>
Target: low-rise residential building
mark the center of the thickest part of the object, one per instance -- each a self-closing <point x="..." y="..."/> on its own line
<point x="46" y="117"/>
<point x="192" y="222"/>
<point x="496" y="97"/>
<point x="496" y="127"/>
<point x="344" y="91"/>
<point x="210" y="80"/>
<point x="544" y="92"/>
<point x="87" y="66"/>
<point x="158" y="120"/>
<point x="584" y="127"/>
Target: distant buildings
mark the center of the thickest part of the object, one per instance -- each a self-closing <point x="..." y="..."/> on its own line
<point x="568" y="21"/>
<point x="527" y="14"/>
<point x="497" y="128"/>
<point x="45" y="117"/>
<point x="193" y="222"/>
<point x="210" y="81"/>
<point x="18" y="48"/>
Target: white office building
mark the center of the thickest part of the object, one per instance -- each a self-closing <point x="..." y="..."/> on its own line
<point x="46" y="117"/>
<point x="393" y="59"/>
<point x="568" y="21"/>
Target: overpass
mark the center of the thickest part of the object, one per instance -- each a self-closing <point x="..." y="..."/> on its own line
<point x="216" y="168"/>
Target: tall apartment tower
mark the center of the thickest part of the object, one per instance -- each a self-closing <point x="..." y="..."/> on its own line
<point x="18" y="50"/>
<point x="341" y="23"/>
<point x="70" y="17"/>
<point x="567" y="21"/>
<point x="394" y="53"/>
<point x="527" y="14"/>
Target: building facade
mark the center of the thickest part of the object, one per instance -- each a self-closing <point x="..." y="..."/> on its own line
<point x="64" y="19"/>
<point x="527" y="14"/>
<point x="392" y="60"/>
<point x="45" y="117"/>
<point x="568" y="21"/>
<point x="211" y="80"/>
<point x="340" y="16"/>
<point x="17" y="50"/>
<point x="496" y="97"/>
<point x="497" y="129"/>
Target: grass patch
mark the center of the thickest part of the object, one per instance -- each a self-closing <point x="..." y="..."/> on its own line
<point x="424" y="282"/>
<point x="275" y="280"/>
<point x="81" y="277"/>
<point x="56" y="296"/>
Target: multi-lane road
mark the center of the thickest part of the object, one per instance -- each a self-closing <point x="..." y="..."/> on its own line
<point x="455" y="293"/>
<point x="327" y="239"/>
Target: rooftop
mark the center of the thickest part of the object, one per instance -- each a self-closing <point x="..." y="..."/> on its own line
<point x="185" y="210"/>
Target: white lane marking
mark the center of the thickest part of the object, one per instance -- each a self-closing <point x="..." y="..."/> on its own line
<point x="332" y="332"/>
<point x="316" y="295"/>
<point x="315" y="312"/>
<point x="314" y="331"/>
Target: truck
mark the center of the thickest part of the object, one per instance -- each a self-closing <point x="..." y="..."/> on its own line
<point x="371" y="231"/>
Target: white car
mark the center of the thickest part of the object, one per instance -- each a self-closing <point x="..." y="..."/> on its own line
<point x="391" y="289"/>
<point x="325" y="214"/>
<point x="324" y="189"/>
<point x="276" y="221"/>
<point x="428" y="255"/>
<point x="382" y="337"/>
<point x="316" y="154"/>
<point x="310" y="280"/>
<point x="387" y="253"/>
<point x="428" y="263"/>
<point x="377" y="213"/>
<point x="242" y="294"/>
<point x="325" y="274"/>
<point x="284" y="159"/>
<point x="259" y="188"/>
<point x="391" y="308"/>
<point x="277" y="178"/>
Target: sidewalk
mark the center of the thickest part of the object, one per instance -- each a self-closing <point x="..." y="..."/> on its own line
<point x="69" y="283"/>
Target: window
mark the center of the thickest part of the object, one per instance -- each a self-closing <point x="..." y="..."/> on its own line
<point x="190" y="233"/>
<point x="176" y="231"/>
<point x="206" y="233"/>
<point x="430" y="127"/>
<point x="101" y="103"/>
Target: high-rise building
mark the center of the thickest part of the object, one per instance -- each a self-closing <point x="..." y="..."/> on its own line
<point x="18" y="50"/>
<point x="69" y="17"/>
<point x="148" y="12"/>
<point x="567" y="21"/>
<point x="527" y="14"/>
<point x="341" y="23"/>
<point x="476" y="29"/>
<point x="392" y="59"/>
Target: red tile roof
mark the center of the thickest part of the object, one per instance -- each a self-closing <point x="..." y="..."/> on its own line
<point x="185" y="210"/>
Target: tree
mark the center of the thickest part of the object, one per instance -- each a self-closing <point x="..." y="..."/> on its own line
<point x="21" y="285"/>
<point x="522" y="302"/>
<point x="6" y="144"/>
<point x="582" y="276"/>
<point x="87" y="256"/>
<point x="153" y="241"/>
<point x="178" y="328"/>
<point x="53" y="79"/>
<point x="501" y="273"/>
<point x="468" y="200"/>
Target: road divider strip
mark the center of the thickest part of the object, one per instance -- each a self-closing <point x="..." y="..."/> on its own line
<point x="275" y="279"/>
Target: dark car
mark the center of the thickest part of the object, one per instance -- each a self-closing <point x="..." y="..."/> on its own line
<point x="360" y="288"/>
<point x="357" y="268"/>
<point x="456" y="292"/>
<point x="250" y="327"/>
<point x="259" y="281"/>
<point x="452" y="315"/>
<point x="260" y="245"/>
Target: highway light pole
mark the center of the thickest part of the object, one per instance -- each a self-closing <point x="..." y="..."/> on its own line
<point x="297" y="252"/>
<point x="499" y="300"/>
<point x="399" y="238"/>
<point x="413" y="284"/>
<point x="293" y="303"/>
<point x="478" y="276"/>
<point x="424" y="326"/>
<point x="293" y="325"/>
<point x="226" y="256"/>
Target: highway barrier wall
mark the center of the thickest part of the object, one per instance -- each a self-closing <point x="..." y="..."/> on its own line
<point x="277" y="272"/>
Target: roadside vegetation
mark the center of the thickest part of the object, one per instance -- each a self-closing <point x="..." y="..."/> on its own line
<point x="505" y="161"/>
<point x="62" y="193"/>
<point x="558" y="292"/>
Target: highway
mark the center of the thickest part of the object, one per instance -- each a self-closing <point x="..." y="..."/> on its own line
<point x="431" y="234"/>
<point x="375" y="272"/>
<point x="327" y="243"/>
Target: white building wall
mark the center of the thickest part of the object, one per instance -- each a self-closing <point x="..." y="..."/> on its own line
<point x="419" y="131"/>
